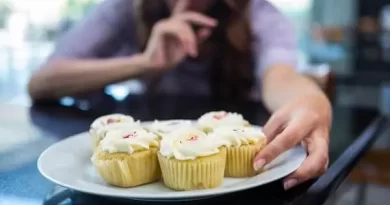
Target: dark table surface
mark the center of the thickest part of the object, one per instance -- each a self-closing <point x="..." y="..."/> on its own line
<point x="39" y="126"/>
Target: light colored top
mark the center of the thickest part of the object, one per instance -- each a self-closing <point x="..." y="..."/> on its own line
<point x="110" y="119"/>
<point x="163" y="128"/>
<point x="128" y="141"/>
<point x="109" y="31"/>
<point x="233" y="136"/>
<point x="187" y="144"/>
<point x="216" y="119"/>
<point x="102" y="131"/>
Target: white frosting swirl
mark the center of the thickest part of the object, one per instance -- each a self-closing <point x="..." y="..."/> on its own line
<point x="110" y="119"/>
<point x="128" y="140"/>
<point x="237" y="136"/>
<point x="165" y="127"/>
<point x="187" y="143"/>
<point x="102" y="131"/>
<point x="221" y="118"/>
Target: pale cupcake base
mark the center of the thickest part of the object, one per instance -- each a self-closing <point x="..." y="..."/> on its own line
<point x="239" y="160"/>
<point x="201" y="173"/>
<point x="128" y="170"/>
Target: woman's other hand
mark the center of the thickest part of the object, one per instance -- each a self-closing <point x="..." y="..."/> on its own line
<point x="306" y="119"/>
<point x="173" y="39"/>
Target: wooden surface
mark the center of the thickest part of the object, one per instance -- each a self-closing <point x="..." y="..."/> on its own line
<point x="374" y="168"/>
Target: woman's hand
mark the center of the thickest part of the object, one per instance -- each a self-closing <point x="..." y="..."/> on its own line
<point x="306" y="119"/>
<point x="173" y="39"/>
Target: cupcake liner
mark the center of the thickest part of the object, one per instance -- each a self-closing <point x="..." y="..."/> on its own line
<point x="128" y="170"/>
<point x="239" y="162"/>
<point x="201" y="173"/>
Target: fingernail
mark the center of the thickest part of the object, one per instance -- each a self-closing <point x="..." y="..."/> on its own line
<point x="259" y="164"/>
<point x="290" y="183"/>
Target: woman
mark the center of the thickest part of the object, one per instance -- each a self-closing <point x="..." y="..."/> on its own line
<point x="228" y="48"/>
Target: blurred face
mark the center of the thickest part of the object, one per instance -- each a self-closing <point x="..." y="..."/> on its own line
<point x="194" y="5"/>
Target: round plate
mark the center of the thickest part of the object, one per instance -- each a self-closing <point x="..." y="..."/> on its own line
<point x="68" y="163"/>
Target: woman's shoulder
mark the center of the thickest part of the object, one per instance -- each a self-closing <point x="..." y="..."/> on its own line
<point x="262" y="7"/>
<point x="115" y="11"/>
<point x="265" y="16"/>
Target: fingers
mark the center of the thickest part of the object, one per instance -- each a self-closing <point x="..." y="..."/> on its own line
<point x="315" y="164"/>
<point x="274" y="126"/>
<point x="188" y="38"/>
<point x="179" y="26"/>
<point x="205" y="22"/>
<point x="197" y="19"/>
<point x="290" y="137"/>
<point x="183" y="33"/>
<point x="180" y="6"/>
<point x="179" y="11"/>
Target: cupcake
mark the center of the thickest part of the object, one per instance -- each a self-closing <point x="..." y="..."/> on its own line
<point x="102" y="131"/>
<point x="242" y="144"/>
<point x="97" y="128"/>
<point x="128" y="158"/>
<point x="162" y="128"/>
<point x="190" y="160"/>
<point x="211" y="120"/>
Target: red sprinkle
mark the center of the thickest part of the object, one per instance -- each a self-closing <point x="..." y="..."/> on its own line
<point x="193" y="138"/>
<point x="131" y="135"/>
<point x="220" y="116"/>
<point x="110" y="120"/>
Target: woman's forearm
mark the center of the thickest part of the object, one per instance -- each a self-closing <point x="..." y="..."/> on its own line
<point x="281" y="84"/>
<point x="62" y="77"/>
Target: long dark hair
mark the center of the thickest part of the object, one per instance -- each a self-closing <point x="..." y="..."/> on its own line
<point x="231" y="72"/>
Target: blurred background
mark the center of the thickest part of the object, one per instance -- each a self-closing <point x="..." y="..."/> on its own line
<point x="326" y="29"/>
<point x="28" y="32"/>
<point x="344" y="43"/>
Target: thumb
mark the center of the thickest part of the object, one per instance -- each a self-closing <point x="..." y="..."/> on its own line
<point x="315" y="164"/>
<point x="180" y="6"/>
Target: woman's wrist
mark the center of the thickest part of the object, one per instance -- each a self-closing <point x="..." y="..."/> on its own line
<point x="140" y="63"/>
<point x="282" y="85"/>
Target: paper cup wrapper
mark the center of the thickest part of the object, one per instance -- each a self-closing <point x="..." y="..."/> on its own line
<point x="128" y="170"/>
<point x="201" y="173"/>
<point x="239" y="160"/>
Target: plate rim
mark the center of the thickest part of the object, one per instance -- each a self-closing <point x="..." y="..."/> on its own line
<point x="141" y="196"/>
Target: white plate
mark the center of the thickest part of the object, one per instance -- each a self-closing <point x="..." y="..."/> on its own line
<point x="68" y="164"/>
